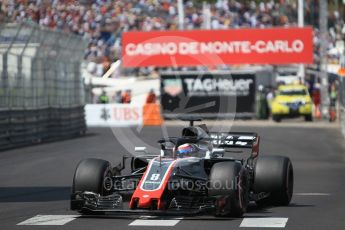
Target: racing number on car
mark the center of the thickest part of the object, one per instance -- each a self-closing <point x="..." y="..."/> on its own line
<point x="155" y="176"/>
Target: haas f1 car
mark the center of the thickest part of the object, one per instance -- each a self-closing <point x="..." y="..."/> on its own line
<point x="198" y="173"/>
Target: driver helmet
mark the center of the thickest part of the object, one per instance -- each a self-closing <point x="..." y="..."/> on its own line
<point x="186" y="150"/>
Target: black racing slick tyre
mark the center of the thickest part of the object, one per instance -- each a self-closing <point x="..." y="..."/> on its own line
<point x="274" y="175"/>
<point x="229" y="185"/>
<point x="93" y="175"/>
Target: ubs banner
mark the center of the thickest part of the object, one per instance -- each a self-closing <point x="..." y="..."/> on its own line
<point x="209" y="95"/>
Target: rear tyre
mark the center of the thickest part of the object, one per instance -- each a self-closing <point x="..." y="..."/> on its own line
<point x="308" y="117"/>
<point x="276" y="118"/>
<point x="229" y="185"/>
<point x="91" y="175"/>
<point x="274" y="175"/>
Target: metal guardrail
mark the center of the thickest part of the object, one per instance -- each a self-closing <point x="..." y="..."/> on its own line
<point x="342" y="119"/>
<point x="41" y="88"/>
<point x="25" y="127"/>
<point x="342" y="103"/>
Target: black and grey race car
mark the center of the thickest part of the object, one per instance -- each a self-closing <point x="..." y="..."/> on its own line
<point x="198" y="173"/>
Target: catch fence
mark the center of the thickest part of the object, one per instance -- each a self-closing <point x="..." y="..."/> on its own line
<point x="41" y="87"/>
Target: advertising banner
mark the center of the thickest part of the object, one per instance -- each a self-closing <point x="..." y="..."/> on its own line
<point x="209" y="95"/>
<point x="113" y="115"/>
<point x="217" y="47"/>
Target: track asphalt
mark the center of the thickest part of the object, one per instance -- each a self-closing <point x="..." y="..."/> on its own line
<point x="35" y="181"/>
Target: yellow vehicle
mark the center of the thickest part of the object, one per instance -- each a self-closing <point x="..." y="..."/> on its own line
<point x="292" y="101"/>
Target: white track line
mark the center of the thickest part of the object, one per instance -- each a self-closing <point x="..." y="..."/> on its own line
<point x="311" y="194"/>
<point x="165" y="223"/>
<point x="265" y="222"/>
<point x="49" y="220"/>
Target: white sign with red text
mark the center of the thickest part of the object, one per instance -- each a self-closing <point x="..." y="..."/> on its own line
<point x="113" y="115"/>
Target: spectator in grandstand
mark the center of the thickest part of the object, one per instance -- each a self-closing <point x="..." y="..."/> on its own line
<point x="101" y="22"/>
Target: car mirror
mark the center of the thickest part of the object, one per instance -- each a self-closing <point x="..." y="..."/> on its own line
<point x="218" y="152"/>
<point x="142" y="150"/>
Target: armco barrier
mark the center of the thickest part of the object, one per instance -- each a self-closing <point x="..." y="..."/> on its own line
<point x="4" y="129"/>
<point x="342" y="102"/>
<point x="25" y="127"/>
<point x="342" y="120"/>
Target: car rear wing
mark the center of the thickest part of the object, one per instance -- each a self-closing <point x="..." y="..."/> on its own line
<point x="237" y="140"/>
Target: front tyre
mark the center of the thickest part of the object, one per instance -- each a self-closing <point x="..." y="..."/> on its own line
<point x="91" y="175"/>
<point x="229" y="184"/>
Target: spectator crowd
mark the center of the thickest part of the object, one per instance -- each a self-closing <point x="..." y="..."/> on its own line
<point x="101" y="22"/>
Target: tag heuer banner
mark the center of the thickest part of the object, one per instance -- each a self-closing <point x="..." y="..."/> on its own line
<point x="209" y="95"/>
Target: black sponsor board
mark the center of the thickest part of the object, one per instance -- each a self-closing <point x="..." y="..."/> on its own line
<point x="209" y="95"/>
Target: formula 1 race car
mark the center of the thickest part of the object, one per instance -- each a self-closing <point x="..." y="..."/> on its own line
<point x="198" y="173"/>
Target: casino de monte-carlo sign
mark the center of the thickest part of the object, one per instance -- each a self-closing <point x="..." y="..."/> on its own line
<point x="217" y="47"/>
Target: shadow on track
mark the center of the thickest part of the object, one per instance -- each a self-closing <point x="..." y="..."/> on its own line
<point x="294" y="205"/>
<point x="34" y="194"/>
<point x="47" y="142"/>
